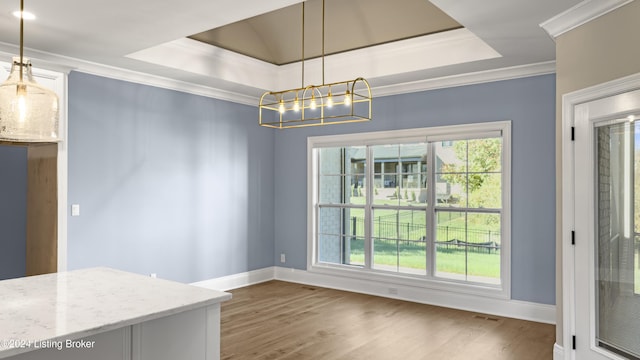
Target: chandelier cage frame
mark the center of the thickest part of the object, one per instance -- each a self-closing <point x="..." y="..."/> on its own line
<point x="351" y="103"/>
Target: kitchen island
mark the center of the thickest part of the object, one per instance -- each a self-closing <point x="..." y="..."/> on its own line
<point x="103" y="313"/>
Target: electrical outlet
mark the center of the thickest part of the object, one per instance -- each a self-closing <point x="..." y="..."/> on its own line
<point x="283" y="258"/>
<point x="153" y="275"/>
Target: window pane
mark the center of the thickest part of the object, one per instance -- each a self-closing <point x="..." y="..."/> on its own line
<point x="385" y="159"/>
<point x="451" y="189"/>
<point x="356" y="251"/>
<point x="468" y="173"/>
<point x="342" y="189"/>
<point x="329" y="248"/>
<point x="451" y="173"/>
<point x="451" y="158"/>
<point x="341" y="235"/>
<point x="399" y="240"/>
<point x="484" y="247"/>
<point x="485" y="155"/>
<point x="385" y="254"/>
<point x="400" y="175"/>
<point x="468" y="246"/>
<point x="488" y="194"/>
<point x="413" y="175"/>
<point x="342" y="175"/>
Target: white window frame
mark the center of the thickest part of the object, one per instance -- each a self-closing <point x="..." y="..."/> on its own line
<point x="429" y="134"/>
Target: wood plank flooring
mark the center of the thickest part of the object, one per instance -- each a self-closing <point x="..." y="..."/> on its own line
<point x="280" y="320"/>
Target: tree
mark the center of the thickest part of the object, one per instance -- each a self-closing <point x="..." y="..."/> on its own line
<point x="478" y="169"/>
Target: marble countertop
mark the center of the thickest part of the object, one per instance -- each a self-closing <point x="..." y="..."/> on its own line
<point x="81" y="303"/>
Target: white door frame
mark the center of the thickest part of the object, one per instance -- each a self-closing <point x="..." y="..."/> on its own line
<point x="56" y="81"/>
<point x="569" y="103"/>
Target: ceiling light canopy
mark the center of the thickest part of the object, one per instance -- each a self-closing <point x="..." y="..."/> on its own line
<point x="28" y="111"/>
<point x="316" y="105"/>
<point x="24" y="14"/>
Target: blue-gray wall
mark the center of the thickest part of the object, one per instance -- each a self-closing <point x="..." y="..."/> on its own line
<point x="191" y="188"/>
<point x="13" y="211"/>
<point x="168" y="183"/>
<point x="528" y="102"/>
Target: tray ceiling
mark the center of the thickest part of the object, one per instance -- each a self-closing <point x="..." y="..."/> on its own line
<point x="148" y="42"/>
<point x="275" y="37"/>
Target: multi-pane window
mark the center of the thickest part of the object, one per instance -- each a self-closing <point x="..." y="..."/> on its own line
<point x="467" y="211"/>
<point x="430" y="206"/>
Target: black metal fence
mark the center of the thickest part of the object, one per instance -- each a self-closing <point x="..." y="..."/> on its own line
<point x="448" y="237"/>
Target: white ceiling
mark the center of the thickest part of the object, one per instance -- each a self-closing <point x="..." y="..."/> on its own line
<point x="146" y="37"/>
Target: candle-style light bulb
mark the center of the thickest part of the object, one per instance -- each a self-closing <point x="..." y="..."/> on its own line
<point x="347" y="98"/>
<point x="296" y="104"/>
<point x="313" y="104"/>
<point x="329" y="99"/>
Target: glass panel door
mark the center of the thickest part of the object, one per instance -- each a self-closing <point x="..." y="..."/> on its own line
<point x="606" y="319"/>
<point x="617" y="305"/>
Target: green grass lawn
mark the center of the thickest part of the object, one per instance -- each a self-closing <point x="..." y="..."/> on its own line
<point x="414" y="256"/>
<point x="411" y="225"/>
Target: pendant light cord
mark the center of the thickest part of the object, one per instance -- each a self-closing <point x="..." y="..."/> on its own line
<point x="323" y="21"/>
<point x="323" y="42"/>
<point x="21" y="37"/>
<point x="302" y="45"/>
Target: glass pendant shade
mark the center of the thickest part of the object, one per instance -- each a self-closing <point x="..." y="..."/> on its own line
<point x="28" y="111"/>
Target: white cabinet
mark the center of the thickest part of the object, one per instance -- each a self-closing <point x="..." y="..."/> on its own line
<point x="108" y="314"/>
<point x="192" y="334"/>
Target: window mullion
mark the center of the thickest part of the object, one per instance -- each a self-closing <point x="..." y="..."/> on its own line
<point x="369" y="175"/>
<point x="430" y="213"/>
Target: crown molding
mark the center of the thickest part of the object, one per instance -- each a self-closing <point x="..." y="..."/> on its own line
<point x="200" y="59"/>
<point x="59" y="63"/>
<point x="426" y="52"/>
<point x="580" y="14"/>
<point x="479" y="77"/>
<point x="417" y="54"/>
<point x="54" y="62"/>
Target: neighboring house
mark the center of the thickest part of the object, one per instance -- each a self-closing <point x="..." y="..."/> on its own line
<point x="403" y="169"/>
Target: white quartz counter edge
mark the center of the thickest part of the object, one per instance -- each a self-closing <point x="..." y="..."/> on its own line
<point x="77" y="304"/>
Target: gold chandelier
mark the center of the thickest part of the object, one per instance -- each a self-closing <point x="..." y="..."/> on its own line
<point x="28" y="111"/>
<point x="316" y="105"/>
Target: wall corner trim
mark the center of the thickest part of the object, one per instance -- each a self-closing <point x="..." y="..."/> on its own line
<point x="508" y="308"/>
<point x="580" y="14"/>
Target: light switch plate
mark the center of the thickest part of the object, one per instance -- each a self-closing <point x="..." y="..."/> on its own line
<point x="75" y="210"/>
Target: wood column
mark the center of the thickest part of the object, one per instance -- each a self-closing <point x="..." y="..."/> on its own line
<point x="42" y="208"/>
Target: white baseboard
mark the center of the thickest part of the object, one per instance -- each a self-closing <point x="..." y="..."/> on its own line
<point x="558" y="352"/>
<point x="509" y="308"/>
<point x="238" y="280"/>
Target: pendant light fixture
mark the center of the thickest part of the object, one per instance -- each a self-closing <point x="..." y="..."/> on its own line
<point x="316" y="105"/>
<point x="28" y="111"/>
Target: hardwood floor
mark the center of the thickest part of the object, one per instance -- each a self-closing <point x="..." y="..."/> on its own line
<point x="280" y="320"/>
